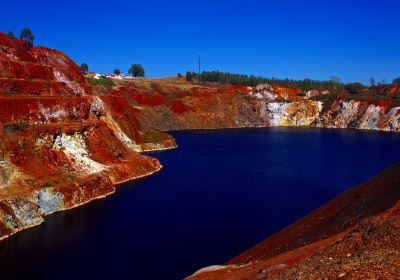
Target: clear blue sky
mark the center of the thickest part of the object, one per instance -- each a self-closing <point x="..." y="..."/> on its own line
<point x="353" y="39"/>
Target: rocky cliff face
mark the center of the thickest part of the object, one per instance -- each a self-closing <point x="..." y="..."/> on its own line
<point x="237" y="106"/>
<point x="60" y="145"/>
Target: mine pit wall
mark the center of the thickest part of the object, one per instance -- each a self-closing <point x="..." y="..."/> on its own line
<point x="293" y="247"/>
<point x="74" y="150"/>
<point x="48" y="168"/>
<point x="24" y="211"/>
<point x="60" y="145"/>
<point x="240" y="112"/>
<point x="59" y="152"/>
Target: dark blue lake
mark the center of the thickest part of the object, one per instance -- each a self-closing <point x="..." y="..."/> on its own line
<point x="220" y="193"/>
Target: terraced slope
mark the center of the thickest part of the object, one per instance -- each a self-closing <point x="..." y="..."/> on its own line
<point x="60" y="145"/>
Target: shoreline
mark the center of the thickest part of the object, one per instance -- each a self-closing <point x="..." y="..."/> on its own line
<point x="125" y="181"/>
<point x="289" y="126"/>
<point x="322" y="232"/>
<point x="231" y="264"/>
<point x="114" y="187"/>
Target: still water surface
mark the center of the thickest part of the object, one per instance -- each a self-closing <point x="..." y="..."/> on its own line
<point x="220" y="193"/>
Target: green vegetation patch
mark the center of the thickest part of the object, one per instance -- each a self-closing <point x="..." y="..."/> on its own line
<point x="333" y="85"/>
<point x="155" y="136"/>
<point x="16" y="126"/>
<point x="100" y="82"/>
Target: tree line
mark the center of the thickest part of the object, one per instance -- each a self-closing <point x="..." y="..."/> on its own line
<point x="26" y="35"/>
<point x="334" y="84"/>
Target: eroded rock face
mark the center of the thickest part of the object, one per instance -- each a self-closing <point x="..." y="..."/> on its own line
<point x="38" y="71"/>
<point x="359" y="114"/>
<point x="48" y="168"/>
<point x="60" y="145"/>
<point x="247" y="107"/>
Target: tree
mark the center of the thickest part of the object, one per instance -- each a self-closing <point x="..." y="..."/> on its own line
<point x="26" y="34"/>
<point x="354" y="87"/>
<point x="372" y="82"/>
<point x="84" y="68"/>
<point x="179" y="75"/>
<point x="307" y="84"/>
<point x="189" y="76"/>
<point x="136" y="70"/>
<point x="336" y="82"/>
<point x="117" y="72"/>
<point x="11" y="34"/>
<point x="396" y="82"/>
<point x="382" y="83"/>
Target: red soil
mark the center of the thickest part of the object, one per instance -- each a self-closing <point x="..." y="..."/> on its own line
<point x="38" y="71"/>
<point x="384" y="104"/>
<point x="125" y="115"/>
<point x="297" y="249"/>
<point x="292" y="93"/>
<point x="179" y="107"/>
<point x="39" y="110"/>
<point x="43" y="95"/>
<point x="147" y="98"/>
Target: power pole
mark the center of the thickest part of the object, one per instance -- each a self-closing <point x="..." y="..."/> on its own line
<point x="199" y="63"/>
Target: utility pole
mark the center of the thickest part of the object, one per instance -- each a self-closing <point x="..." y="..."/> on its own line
<point x="199" y="63"/>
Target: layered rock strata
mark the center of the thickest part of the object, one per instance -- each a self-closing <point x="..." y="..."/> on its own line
<point x="61" y="146"/>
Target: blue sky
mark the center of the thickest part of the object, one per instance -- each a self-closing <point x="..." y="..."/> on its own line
<point x="352" y="39"/>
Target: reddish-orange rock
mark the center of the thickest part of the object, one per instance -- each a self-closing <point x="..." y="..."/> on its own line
<point x="61" y="146"/>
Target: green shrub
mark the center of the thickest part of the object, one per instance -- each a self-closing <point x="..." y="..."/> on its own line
<point x="47" y="184"/>
<point x="189" y="76"/>
<point x="155" y="136"/>
<point x="27" y="35"/>
<point x="16" y="126"/>
<point x="84" y="68"/>
<point x="333" y="85"/>
<point x="101" y="82"/>
<point x="136" y="70"/>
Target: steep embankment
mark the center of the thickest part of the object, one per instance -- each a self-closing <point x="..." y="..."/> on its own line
<point x="166" y="107"/>
<point x="354" y="236"/>
<point x="60" y="145"/>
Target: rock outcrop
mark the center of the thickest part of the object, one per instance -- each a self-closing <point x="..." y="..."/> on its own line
<point x="60" y="144"/>
<point x="237" y="106"/>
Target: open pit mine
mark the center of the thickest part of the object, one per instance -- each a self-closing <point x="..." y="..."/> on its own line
<point x="65" y="142"/>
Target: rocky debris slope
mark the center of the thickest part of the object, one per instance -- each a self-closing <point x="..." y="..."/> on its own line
<point x="354" y="236"/>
